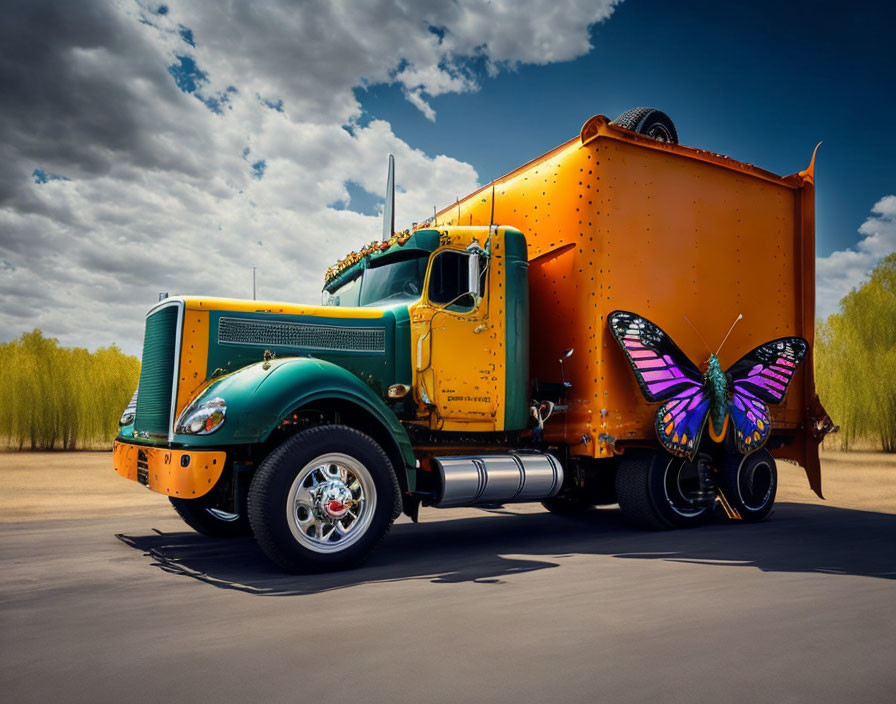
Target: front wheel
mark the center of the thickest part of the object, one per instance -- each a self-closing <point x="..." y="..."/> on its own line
<point x="750" y="483"/>
<point x="323" y="499"/>
<point x="204" y="518"/>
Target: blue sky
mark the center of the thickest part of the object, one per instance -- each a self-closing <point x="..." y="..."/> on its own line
<point x="760" y="81"/>
<point x="149" y="151"/>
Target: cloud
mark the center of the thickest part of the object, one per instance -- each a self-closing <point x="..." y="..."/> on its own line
<point x="427" y="47"/>
<point x="843" y="270"/>
<point x="148" y="150"/>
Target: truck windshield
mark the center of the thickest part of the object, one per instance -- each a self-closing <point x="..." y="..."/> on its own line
<point x="390" y="282"/>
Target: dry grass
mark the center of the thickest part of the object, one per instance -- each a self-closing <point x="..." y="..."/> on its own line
<point x="38" y="486"/>
<point x="859" y="480"/>
<point x="73" y="485"/>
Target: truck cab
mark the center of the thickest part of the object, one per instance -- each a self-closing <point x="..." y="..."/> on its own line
<point x="465" y="293"/>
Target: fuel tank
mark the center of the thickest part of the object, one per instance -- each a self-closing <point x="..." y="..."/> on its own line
<point x="497" y="479"/>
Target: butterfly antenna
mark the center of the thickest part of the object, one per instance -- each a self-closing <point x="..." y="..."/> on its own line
<point x="739" y="317"/>
<point x="698" y="333"/>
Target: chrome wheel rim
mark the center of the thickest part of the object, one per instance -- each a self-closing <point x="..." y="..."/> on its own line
<point x="659" y="132"/>
<point x="681" y="484"/>
<point x="331" y="503"/>
<point x="225" y="516"/>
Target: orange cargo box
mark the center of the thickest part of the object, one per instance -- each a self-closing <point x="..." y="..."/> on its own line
<point x="617" y="220"/>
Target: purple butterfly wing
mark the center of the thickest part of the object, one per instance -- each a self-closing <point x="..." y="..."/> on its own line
<point x="751" y="421"/>
<point x="760" y="377"/>
<point x="661" y="368"/>
<point x="664" y="373"/>
<point x="680" y="421"/>
<point x="766" y="372"/>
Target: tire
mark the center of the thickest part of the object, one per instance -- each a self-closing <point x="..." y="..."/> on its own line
<point x="650" y="122"/>
<point x="750" y="483"/>
<point x="204" y="518"/>
<point x="303" y="496"/>
<point x="567" y="505"/>
<point x="657" y="491"/>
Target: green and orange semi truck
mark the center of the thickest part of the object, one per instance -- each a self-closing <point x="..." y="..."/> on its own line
<point x="470" y="361"/>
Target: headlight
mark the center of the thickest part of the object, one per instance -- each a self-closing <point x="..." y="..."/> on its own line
<point x="201" y="418"/>
<point x="130" y="412"/>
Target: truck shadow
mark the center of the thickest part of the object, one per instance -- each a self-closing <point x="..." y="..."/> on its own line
<point x="797" y="538"/>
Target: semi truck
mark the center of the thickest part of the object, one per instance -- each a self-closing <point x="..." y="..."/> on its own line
<point x="471" y="360"/>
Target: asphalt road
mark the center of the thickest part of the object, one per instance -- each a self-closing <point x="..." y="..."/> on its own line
<point x="513" y="606"/>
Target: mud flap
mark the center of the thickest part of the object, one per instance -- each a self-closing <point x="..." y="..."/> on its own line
<point x="804" y="448"/>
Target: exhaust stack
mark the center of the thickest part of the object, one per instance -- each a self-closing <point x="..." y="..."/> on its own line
<point x="389" y="209"/>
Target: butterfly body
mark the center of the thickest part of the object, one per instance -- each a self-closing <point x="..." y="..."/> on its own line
<point x="693" y="399"/>
<point x="716" y="385"/>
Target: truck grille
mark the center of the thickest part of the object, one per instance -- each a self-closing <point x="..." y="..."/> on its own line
<point x="269" y="333"/>
<point x="157" y="372"/>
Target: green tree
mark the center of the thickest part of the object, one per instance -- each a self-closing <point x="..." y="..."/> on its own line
<point x="62" y="397"/>
<point x="855" y="360"/>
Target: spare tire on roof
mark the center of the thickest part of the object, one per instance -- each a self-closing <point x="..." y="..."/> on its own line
<point x="650" y="122"/>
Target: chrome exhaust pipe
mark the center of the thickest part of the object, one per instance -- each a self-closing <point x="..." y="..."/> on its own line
<point x="497" y="479"/>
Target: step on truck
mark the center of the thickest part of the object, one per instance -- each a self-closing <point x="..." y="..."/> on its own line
<point x="556" y="337"/>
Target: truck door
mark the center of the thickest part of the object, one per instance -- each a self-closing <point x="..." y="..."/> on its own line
<point x="457" y="360"/>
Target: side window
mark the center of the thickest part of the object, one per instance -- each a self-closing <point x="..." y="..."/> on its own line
<point x="450" y="280"/>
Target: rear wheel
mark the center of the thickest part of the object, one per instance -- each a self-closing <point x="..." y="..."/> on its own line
<point x="567" y="505"/>
<point x="201" y="515"/>
<point x="659" y="491"/>
<point x="650" y="122"/>
<point x="323" y="499"/>
<point x="750" y="483"/>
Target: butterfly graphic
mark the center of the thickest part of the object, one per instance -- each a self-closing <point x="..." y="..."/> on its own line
<point x="739" y="395"/>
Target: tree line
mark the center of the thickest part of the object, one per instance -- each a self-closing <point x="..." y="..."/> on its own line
<point x="54" y="397"/>
<point x="855" y="361"/>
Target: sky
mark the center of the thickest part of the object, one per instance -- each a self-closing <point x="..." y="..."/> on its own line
<point x="152" y="147"/>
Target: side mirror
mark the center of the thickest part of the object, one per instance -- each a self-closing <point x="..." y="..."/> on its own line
<point x="474" y="246"/>
<point x="473" y="275"/>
